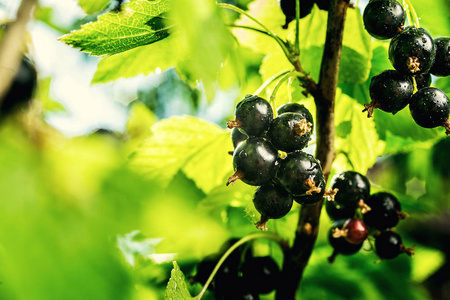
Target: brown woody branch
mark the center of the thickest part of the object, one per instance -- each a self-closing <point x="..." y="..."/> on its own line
<point x="297" y="257"/>
<point x="12" y="46"/>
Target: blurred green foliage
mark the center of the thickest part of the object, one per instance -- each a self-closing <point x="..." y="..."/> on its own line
<point x="103" y="216"/>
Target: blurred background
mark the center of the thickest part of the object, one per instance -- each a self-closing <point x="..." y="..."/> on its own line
<point x="111" y="174"/>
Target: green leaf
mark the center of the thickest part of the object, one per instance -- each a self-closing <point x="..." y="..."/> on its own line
<point x="93" y="6"/>
<point x="190" y="144"/>
<point x="177" y="288"/>
<point x="357" y="139"/>
<point x="139" y="23"/>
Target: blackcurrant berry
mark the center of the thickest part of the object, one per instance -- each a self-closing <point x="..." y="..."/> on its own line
<point x="441" y="66"/>
<point x="289" y="132"/>
<point x="353" y="187"/>
<point x="296" y="108"/>
<point x="301" y="174"/>
<point x="272" y="202"/>
<point x="288" y="8"/>
<point x="237" y="137"/>
<point x="383" y="18"/>
<point x="338" y="211"/>
<point x="412" y="51"/>
<point x="430" y="108"/>
<point x="261" y="274"/>
<point x="389" y="245"/>
<point x="340" y="244"/>
<point x="423" y="80"/>
<point x="389" y="91"/>
<point x="385" y="211"/>
<point x="237" y="291"/>
<point x="253" y="116"/>
<point x="21" y="89"/>
<point x="255" y="162"/>
<point x="205" y="268"/>
<point x="354" y="231"/>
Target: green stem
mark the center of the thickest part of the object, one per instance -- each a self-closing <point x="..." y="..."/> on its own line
<point x="278" y="85"/>
<point x="289" y="84"/>
<point x="414" y="14"/>
<point x="414" y="85"/>
<point x="269" y="81"/>
<point x="269" y="32"/>
<point x="245" y="239"/>
<point x="408" y="16"/>
<point x="249" y="28"/>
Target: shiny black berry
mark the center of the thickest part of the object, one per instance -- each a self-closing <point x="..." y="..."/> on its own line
<point x="253" y="116"/>
<point x="412" y="51"/>
<point x="383" y="18"/>
<point x="290" y="132"/>
<point x="385" y="211"/>
<point x="430" y="108"/>
<point x="301" y="175"/>
<point x="261" y="274"/>
<point x="21" y="89"/>
<point x="237" y="137"/>
<point x="296" y="108"/>
<point x="389" y="245"/>
<point x="338" y="211"/>
<point x="205" y="268"/>
<point x="272" y="202"/>
<point x="340" y="244"/>
<point x="423" y="80"/>
<point x="389" y="91"/>
<point x="441" y="66"/>
<point x="288" y="8"/>
<point x="353" y="187"/>
<point x="255" y="162"/>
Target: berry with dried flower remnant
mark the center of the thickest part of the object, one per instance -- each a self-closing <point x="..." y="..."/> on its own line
<point x="290" y="132"/>
<point x="385" y="211"/>
<point x="341" y="245"/>
<point x="354" y="231"/>
<point x="353" y="188"/>
<point x="412" y="51"/>
<point x="301" y="174"/>
<point x="255" y="162"/>
<point x="253" y="116"/>
<point x="389" y="91"/>
<point x="272" y="201"/>
<point x="429" y="108"/>
<point x="388" y="245"/>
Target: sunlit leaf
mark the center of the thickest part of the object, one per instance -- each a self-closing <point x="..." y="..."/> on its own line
<point x="139" y="23"/>
<point x="176" y="288"/>
<point x="93" y="6"/>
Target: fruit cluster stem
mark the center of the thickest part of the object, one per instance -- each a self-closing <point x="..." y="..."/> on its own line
<point x="297" y="257"/>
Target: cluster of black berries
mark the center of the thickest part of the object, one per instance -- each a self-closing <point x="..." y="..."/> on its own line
<point x="257" y="138"/>
<point x="241" y="276"/>
<point x="380" y="214"/>
<point x="414" y="56"/>
<point x="288" y="8"/>
<point x="21" y="89"/>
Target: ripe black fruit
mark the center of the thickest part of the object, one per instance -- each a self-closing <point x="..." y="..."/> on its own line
<point x="352" y="186"/>
<point x="383" y="18"/>
<point x="338" y="211"/>
<point x="237" y="137"/>
<point x="385" y="211"/>
<point x="288" y="8"/>
<point x="253" y="116"/>
<point x="430" y="108"/>
<point x="340" y="244"/>
<point x="261" y="274"/>
<point x="296" y="108"/>
<point x="22" y="87"/>
<point x="301" y="175"/>
<point x="255" y="162"/>
<point x="389" y="91"/>
<point x="423" y="80"/>
<point x="441" y="66"/>
<point x="389" y="245"/>
<point x="290" y="131"/>
<point x="272" y="202"/>
<point x="412" y="51"/>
